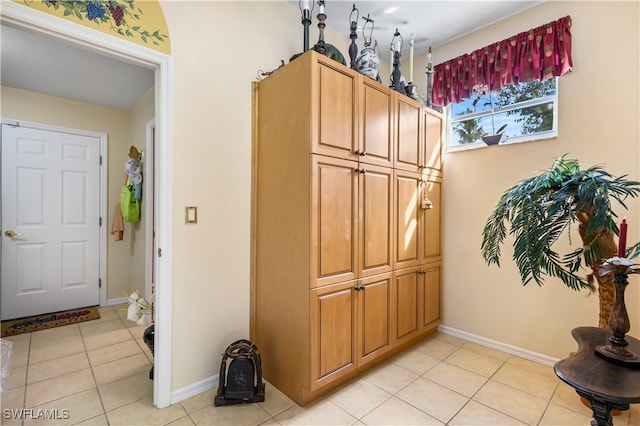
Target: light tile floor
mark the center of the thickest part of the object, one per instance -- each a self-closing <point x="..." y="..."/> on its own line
<point x="98" y="372"/>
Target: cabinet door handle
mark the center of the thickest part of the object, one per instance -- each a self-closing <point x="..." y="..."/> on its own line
<point x="363" y="153"/>
<point x="363" y="171"/>
<point x="357" y="152"/>
<point x="357" y="170"/>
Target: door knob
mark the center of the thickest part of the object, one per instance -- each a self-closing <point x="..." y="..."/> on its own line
<point x="11" y="233"/>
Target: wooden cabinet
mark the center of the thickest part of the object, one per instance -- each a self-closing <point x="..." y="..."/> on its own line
<point x="408" y="134"/>
<point x="334" y="108"/>
<point x="432" y="131"/>
<point x="334" y="220"/>
<point x="374" y="315"/>
<point x="350" y="326"/>
<point x="375" y="220"/>
<point x="336" y="213"/>
<point x="332" y="333"/>
<point x="376" y="142"/>
<point x="416" y="301"/>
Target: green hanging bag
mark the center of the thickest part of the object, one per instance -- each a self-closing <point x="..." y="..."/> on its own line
<point x="129" y="206"/>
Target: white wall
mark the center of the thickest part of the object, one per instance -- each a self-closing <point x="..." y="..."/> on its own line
<point x="598" y="124"/>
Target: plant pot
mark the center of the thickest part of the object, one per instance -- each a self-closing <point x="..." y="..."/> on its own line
<point x="493" y="139"/>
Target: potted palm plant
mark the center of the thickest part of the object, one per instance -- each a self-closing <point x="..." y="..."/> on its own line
<point x="542" y="208"/>
<point x="482" y="91"/>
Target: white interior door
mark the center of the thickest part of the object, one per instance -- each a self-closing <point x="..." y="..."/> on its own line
<point x="50" y="221"/>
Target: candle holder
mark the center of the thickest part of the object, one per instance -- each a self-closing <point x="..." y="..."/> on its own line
<point x="353" y="47"/>
<point x="396" y="47"/>
<point x="618" y="349"/>
<point x="320" y="45"/>
<point x="429" y="73"/>
<point x="306" y="21"/>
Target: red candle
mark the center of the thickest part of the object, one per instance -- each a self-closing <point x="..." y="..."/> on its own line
<point x="622" y="241"/>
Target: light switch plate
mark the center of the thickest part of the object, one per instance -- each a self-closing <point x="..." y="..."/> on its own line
<point x="191" y="215"/>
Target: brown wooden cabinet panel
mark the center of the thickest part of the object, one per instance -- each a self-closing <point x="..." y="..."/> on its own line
<point x="376" y="219"/>
<point x="431" y="219"/>
<point x="376" y="146"/>
<point x="374" y="317"/>
<point x="407" y="216"/>
<point x="431" y="312"/>
<point x="337" y="112"/>
<point x="407" y="304"/>
<point x="432" y="157"/>
<point x="333" y="220"/>
<point x="332" y="332"/>
<point x="408" y="138"/>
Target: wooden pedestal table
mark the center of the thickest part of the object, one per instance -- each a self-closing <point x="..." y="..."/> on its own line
<point x="606" y="384"/>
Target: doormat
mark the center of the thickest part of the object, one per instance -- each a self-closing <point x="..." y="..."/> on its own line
<point x="42" y="322"/>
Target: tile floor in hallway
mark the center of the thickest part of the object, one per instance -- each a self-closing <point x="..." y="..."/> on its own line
<point x="98" y="371"/>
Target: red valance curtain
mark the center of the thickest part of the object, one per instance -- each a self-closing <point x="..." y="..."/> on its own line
<point x="537" y="54"/>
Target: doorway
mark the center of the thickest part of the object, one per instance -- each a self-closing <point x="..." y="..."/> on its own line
<point x="85" y="38"/>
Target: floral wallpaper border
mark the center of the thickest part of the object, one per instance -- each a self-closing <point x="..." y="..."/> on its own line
<point x="127" y="19"/>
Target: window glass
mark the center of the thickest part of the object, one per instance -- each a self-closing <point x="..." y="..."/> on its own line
<point x="524" y="112"/>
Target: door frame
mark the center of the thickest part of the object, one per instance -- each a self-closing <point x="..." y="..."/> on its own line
<point x="102" y="199"/>
<point x="150" y="226"/>
<point x="30" y="19"/>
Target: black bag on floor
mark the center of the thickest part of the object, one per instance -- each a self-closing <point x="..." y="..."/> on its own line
<point x="240" y="379"/>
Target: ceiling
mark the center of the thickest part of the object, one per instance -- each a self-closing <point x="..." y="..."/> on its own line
<point x="430" y="22"/>
<point x="57" y="68"/>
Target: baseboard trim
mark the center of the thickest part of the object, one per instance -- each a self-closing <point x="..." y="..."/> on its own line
<point x="118" y="301"/>
<point x="194" y="389"/>
<point x="504" y="347"/>
<point x="212" y="381"/>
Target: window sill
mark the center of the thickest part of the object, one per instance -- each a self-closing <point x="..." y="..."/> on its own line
<point x="509" y="141"/>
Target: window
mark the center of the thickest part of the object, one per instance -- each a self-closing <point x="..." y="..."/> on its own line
<point x="527" y="111"/>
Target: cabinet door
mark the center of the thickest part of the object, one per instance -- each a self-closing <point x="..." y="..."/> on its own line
<point x="376" y="144"/>
<point x="407" y="213"/>
<point x="375" y="219"/>
<point x="432" y="127"/>
<point x="407" y="304"/>
<point x="431" y="295"/>
<point x="332" y="333"/>
<point x="408" y="118"/>
<point x="430" y="227"/>
<point x="374" y="316"/>
<point x="334" y="215"/>
<point x="335" y="112"/>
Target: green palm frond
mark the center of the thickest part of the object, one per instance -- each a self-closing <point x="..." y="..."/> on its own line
<point x="539" y="210"/>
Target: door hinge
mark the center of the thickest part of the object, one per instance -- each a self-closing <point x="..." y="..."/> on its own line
<point x="99" y="282"/>
<point x="100" y="161"/>
<point x="159" y="252"/>
<point x="100" y="221"/>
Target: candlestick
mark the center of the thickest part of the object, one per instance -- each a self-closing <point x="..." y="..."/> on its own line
<point x="411" y="42"/>
<point x="622" y="240"/>
<point x="391" y="65"/>
<point x="353" y="35"/>
<point x="320" y="45"/>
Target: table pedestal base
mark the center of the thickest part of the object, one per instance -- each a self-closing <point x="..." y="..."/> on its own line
<point x="602" y="409"/>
